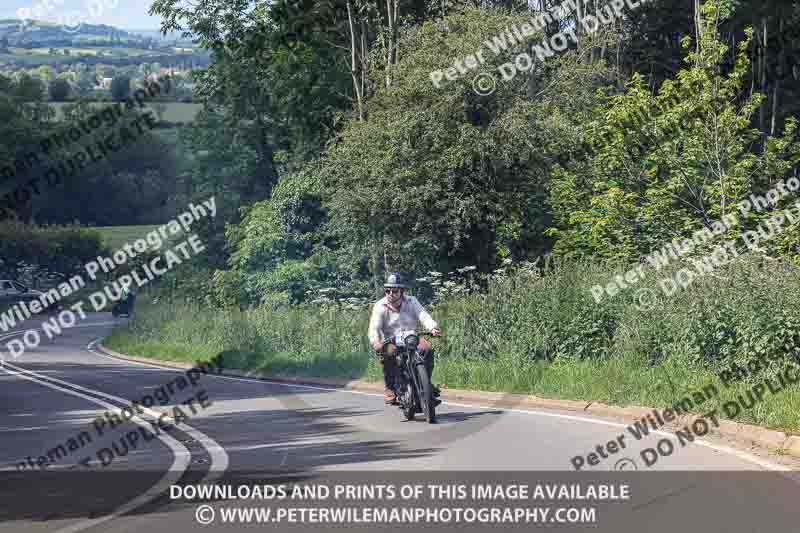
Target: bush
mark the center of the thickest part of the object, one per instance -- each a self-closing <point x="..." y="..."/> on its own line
<point x="59" y="90"/>
<point x="47" y="249"/>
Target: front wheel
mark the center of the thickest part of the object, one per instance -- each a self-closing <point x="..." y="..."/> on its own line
<point x="405" y="397"/>
<point x="426" y="394"/>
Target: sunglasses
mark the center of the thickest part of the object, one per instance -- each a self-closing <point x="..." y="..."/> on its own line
<point x="392" y="291"/>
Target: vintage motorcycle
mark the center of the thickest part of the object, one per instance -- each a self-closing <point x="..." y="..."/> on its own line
<point x="412" y="385"/>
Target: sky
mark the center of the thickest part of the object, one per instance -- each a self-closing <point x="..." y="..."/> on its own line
<point x="125" y="14"/>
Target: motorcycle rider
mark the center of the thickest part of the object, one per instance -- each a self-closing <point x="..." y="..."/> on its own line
<point x="393" y="313"/>
<point x="126" y="301"/>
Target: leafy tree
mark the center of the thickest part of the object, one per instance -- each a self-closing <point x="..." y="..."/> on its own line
<point x="45" y="73"/>
<point x="670" y="164"/>
<point x="29" y="89"/>
<point x="86" y="82"/>
<point x="59" y="90"/>
<point x="120" y="88"/>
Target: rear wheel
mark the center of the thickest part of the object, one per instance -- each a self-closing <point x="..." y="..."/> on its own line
<point x="426" y="394"/>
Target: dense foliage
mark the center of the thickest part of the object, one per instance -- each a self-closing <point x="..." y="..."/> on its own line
<point x="335" y="158"/>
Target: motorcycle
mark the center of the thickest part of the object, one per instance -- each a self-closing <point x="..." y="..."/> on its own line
<point x="412" y="385"/>
<point x="123" y="308"/>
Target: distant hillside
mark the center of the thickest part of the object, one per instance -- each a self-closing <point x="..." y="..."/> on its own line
<point x="39" y="33"/>
<point x="28" y="45"/>
<point x="171" y="37"/>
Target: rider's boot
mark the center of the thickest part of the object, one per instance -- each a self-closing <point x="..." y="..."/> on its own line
<point x="389" y="395"/>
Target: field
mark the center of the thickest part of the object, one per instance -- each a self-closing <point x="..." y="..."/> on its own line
<point x="173" y="112"/>
<point x="30" y="60"/>
<point x="117" y="236"/>
<point x="60" y="51"/>
<point x="94" y="51"/>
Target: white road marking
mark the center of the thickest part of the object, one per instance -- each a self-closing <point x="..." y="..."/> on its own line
<point x="94" y="325"/>
<point x="179" y="465"/>
<point x="219" y="458"/>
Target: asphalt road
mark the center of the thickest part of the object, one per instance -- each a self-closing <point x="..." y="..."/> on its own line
<point x="52" y="394"/>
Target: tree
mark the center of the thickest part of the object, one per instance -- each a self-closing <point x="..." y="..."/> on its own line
<point x="45" y="73"/>
<point x="29" y="89"/>
<point x="669" y="164"/>
<point x="120" y="88"/>
<point x="86" y="82"/>
<point x="59" y="90"/>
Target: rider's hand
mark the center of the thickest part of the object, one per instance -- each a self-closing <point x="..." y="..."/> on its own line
<point x="436" y="332"/>
<point x="377" y="346"/>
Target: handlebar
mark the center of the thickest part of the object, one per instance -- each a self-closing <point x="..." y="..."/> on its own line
<point x="389" y="340"/>
<point x="421" y="334"/>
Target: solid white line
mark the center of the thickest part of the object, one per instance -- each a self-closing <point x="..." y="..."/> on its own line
<point x="723" y="449"/>
<point x="172" y="443"/>
<point x="176" y="470"/>
<point x="215" y="450"/>
<point x="219" y="458"/>
<point x="96" y="324"/>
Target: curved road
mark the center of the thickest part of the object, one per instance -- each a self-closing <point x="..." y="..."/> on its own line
<point x="51" y="394"/>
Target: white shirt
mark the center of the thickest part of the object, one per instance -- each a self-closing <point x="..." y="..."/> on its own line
<point x="386" y="322"/>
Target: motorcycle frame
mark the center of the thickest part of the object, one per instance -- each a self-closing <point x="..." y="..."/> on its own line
<point x="407" y="363"/>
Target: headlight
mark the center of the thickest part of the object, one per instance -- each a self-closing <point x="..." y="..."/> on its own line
<point x="412" y="341"/>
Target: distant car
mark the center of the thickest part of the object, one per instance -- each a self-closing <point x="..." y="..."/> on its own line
<point x="12" y="292"/>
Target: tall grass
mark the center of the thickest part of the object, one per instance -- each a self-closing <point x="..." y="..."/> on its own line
<point x="530" y="332"/>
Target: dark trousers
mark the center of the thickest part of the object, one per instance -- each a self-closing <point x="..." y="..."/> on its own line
<point x="390" y="366"/>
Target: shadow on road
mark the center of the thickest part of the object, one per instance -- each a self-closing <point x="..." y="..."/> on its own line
<point x="301" y="431"/>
